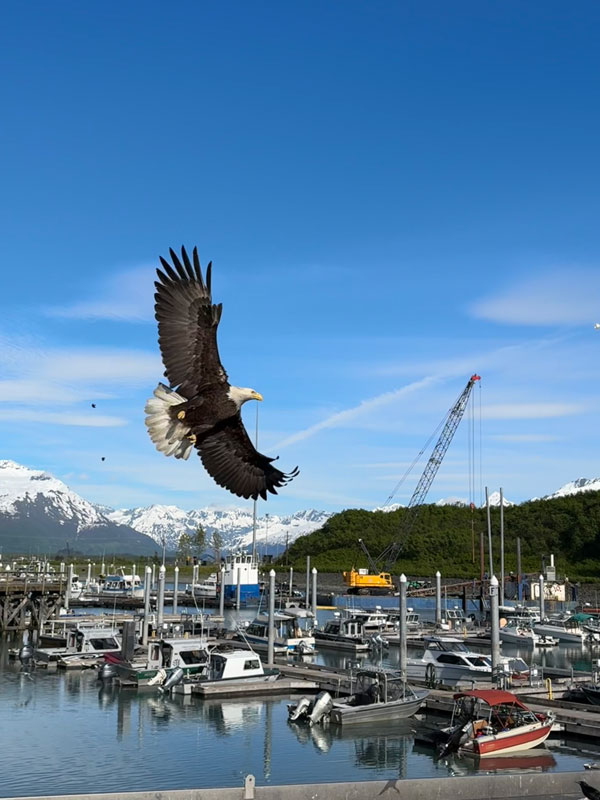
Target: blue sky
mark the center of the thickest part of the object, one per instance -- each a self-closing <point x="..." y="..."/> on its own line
<point x="393" y="195"/>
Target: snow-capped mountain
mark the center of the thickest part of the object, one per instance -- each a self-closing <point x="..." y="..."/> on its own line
<point x="233" y="524"/>
<point x="40" y="512"/>
<point x="21" y="487"/>
<point x="575" y="487"/>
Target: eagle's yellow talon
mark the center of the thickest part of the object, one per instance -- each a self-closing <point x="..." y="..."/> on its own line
<point x="180" y="414"/>
<point x="192" y="438"/>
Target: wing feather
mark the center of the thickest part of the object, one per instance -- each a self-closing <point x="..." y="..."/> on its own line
<point x="187" y="324"/>
<point x="231" y="459"/>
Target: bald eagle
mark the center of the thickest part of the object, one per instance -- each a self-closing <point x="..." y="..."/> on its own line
<point x="200" y="408"/>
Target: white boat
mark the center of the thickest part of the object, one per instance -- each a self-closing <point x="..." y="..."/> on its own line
<point x="116" y="586"/>
<point x="448" y="660"/>
<point x="233" y="666"/>
<point x="565" y="629"/>
<point x="293" y="632"/>
<point x="242" y="569"/>
<point x="207" y="589"/>
<point x="373" y="622"/>
<point x="161" y="656"/>
<point x="518" y="633"/>
<point x="343" y="634"/>
<point x="85" y="639"/>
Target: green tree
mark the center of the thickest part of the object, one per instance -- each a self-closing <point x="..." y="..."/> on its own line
<point x="217" y="545"/>
<point x="198" y="541"/>
<point x="184" y="545"/>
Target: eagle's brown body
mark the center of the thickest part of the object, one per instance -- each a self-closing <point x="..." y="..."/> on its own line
<point x="200" y="408"/>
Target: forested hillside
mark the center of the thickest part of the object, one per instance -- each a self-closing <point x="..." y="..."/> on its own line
<point x="442" y="538"/>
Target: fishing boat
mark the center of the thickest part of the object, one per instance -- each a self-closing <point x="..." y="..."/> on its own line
<point x="242" y="569"/>
<point x="293" y="632"/>
<point x="116" y="586"/>
<point x="380" y="696"/>
<point x="521" y="633"/>
<point x="164" y="655"/>
<point x="91" y="641"/>
<point x="204" y="590"/>
<point x="563" y="628"/>
<point x="343" y="634"/>
<point x="491" y="722"/>
<point x="231" y="666"/>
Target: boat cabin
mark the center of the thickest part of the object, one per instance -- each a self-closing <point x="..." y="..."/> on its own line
<point x="236" y="665"/>
<point x="173" y="653"/>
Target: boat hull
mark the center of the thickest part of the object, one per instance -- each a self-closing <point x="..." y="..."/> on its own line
<point x="513" y="741"/>
<point x="343" y="714"/>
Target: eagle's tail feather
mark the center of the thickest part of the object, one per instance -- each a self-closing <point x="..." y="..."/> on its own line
<point x="169" y="435"/>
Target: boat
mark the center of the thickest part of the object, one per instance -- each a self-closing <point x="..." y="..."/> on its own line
<point x="343" y="634"/>
<point x="207" y="589"/>
<point x="563" y="628"/>
<point x="166" y="655"/>
<point x="380" y="696"/>
<point x="591" y="692"/>
<point x="374" y="622"/>
<point x="491" y="722"/>
<point x="293" y="632"/>
<point x="521" y="633"/>
<point x="448" y="660"/>
<point x="230" y="666"/>
<point x="90" y="640"/>
<point x="243" y="569"/>
<point x="115" y="586"/>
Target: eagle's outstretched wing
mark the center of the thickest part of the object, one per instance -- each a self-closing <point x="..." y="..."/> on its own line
<point x="187" y="325"/>
<point x="230" y="457"/>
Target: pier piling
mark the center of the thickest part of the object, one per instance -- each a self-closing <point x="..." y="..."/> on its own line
<point x="314" y="593"/>
<point x="175" y="589"/>
<point x="271" y="632"/>
<point x="438" y="598"/>
<point x="147" y="593"/>
<point x="160" y="611"/>
<point x="542" y="599"/>
<point x="222" y="593"/>
<point x="402" y="626"/>
<point x="495" y="623"/>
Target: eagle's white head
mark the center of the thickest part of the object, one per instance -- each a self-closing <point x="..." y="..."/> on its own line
<point x="240" y="395"/>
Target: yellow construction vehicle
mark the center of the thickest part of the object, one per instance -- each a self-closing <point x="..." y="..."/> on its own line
<point x="378" y="580"/>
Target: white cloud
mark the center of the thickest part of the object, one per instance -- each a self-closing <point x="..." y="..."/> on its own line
<point x="565" y="296"/>
<point x="126" y="296"/>
<point x="342" y="418"/>
<point x="60" y="418"/>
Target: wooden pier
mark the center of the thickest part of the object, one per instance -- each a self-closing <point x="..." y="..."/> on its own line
<point x="26" y="603"/>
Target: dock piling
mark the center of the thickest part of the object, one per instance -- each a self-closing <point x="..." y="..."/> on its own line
<point x="222" y="593"/>
<point x="175" y="590"/>
<point x="402" y="627"/>
<point x="160" y="611"/>
<point x="314" y="593"/>
<point x="501" y="587"/>
<point x="147" y="593"/>
<point x="290" y="584"/>
<point x="438" y="598"/>
<point x="68" y="586"/>
<point x="495" y="623"/>
<point x="271" y="633"/>
<point x="542" y="599"/>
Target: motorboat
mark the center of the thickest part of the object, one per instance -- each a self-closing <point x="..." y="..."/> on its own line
<point x="379" y="696"/>
<point x="591" y="692"/>
<point x="342" y="634"/>
<point x="204" y="590"/>
<point x="491" y="722"/>
<point x="86" y="640"/>
<point x="164" y="655"/>
<point x="229" y="666"/>
<point x="448" y="660"/>
<point x="521" y="633"/>
<point x="115" y="586"/>
<point x="293" y="632"/>
<point x="565" y="629"/>
<point x="373" y="622"/>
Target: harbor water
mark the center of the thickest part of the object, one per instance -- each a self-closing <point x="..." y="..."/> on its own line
<point x="66" y="733"/>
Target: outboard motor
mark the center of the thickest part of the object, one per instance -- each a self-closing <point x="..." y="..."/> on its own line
<point x="322" y="706"/>
<point x="173" y="679"/>
<point x="26" y="652"/>
<point x="300" y="710"/>
<point x="107" y="672"/>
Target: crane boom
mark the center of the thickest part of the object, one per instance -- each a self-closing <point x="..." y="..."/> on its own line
<point x="453" y="418"/>
<point x="379" y="580"/>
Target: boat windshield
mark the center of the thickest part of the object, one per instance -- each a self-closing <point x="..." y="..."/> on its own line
<point x="477" y="661"/>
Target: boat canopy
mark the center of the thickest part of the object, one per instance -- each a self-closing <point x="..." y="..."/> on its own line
<point x="493" y="697"/>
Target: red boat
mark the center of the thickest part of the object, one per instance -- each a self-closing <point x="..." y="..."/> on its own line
<point x="494" y="722"/>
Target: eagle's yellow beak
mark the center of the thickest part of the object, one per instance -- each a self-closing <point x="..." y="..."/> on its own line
<point x="257" y="396"/>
